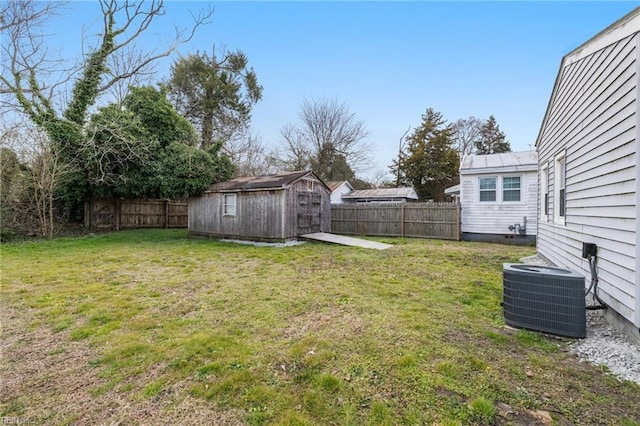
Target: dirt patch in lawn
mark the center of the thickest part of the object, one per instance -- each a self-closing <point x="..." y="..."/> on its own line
<point x="46" y="378"/>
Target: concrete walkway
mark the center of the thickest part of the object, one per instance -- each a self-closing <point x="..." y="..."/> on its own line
<point x="347" y="241"/>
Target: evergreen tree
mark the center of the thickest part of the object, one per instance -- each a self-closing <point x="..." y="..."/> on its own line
<point x="216" y="94"/>
<point x="491" y="139"/>
<point x="431" y="161"/>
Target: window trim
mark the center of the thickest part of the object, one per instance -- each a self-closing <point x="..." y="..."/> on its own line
<point x="226" y="210"/>
<point x="494" y="189"/>
<point x="544" y="192"/>
<point x="503" y="189"/>
<point x="309" y="185"/>
<point x="559" y="189"/>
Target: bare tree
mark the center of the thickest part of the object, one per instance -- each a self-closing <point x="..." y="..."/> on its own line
<point x="379" y="178"/>
<point x="31" y="193"/>
<point x="466" y="132"/>
<point x="26" y="56"/>
<point x="121" y="63"/>
<point x="295" y="151"/>
<point x="330" y="138"/>
<point x="40" y="86"/>
<point x="249" y="156"/>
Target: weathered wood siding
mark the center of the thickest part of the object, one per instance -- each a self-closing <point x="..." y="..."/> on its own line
<point x="495" y="217"/>
<point x="294" y="209"/>
<point x="424" y="220"/>
<point x="263" y="215"/>
<point x="593" y="118"/>
<point x="103" y="214"/>
<point x="259" y="216"/>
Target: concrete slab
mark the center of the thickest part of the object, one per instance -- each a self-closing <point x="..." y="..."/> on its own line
<point x="347" y="241"/>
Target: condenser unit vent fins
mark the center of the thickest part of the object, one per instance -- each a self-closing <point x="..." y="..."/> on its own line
<point x="546" y="299"/>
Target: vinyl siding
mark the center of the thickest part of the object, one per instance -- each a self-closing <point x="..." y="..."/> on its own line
<point x="592" y="118"/>
<point x="495" y="217"/>
<point x="336" y="196"/>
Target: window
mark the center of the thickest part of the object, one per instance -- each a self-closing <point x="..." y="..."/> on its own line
<point x="488" y="189"/>
<point x="229" y="207"/>
<point x="511" y="188"/>
<point x="544" y="192"/>
<point x="310" y="185"/>
<point x="560" y="196"/>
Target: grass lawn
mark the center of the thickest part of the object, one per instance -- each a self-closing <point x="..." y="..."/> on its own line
<point x="150" y="327"/>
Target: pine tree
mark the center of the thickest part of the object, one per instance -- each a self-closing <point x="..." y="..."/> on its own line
<point x="492" y="140"/>
<point x="431" y="161"/>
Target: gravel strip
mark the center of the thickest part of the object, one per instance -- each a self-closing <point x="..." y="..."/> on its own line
<point x="603" y="345"/>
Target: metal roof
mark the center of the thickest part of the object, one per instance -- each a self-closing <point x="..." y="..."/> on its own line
<point x="253" y="183"/>
<point x="382" y="193"/>
<point x="503" y="162"/>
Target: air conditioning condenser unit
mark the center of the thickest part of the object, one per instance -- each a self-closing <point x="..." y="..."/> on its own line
<point x="546" y="299"/>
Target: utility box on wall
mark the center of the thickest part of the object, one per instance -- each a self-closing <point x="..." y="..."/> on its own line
<point x="546" y="299"/>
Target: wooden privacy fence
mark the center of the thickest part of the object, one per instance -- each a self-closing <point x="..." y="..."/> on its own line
<point x="115" y="214"/>
<point x="426" y="220"/>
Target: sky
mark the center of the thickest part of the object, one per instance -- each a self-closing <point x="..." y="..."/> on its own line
<point x="387" y="61"/>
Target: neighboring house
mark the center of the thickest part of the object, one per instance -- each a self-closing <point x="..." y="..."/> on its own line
<point x="498" y="194"/>
<point x="262" y="208"/>
<point x="589" y="166"/>
<point x="381" y="195"/>
<point x="453" y="192"/>
<point x="338" y="189"/>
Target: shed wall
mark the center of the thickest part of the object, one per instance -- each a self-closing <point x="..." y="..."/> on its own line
<point x="592" y="118"/>
<point x="258" y="215"/>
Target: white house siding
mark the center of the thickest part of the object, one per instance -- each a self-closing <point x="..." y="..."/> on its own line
<point x="593" y="118"/>
<point x="336" y="196"/>
<point x="495" y="217"/>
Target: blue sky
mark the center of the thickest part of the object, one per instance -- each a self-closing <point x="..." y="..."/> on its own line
<point x="390" y="61"/>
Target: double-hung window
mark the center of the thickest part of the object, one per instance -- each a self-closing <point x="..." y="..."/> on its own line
<point x="488" y="189"/>
<point x="511" y="188"/>
<point x="560" y="196"/>
<point x="229" y="205"/>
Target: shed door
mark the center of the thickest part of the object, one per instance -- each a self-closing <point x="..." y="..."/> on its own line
<point x="309" y="212"/>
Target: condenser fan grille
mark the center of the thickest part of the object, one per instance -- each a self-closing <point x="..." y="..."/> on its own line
<point x="544" y="299"/>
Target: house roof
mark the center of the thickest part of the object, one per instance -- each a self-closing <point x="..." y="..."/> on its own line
<point x="453" y="190"/>
<point x="382" y="193"/>
<point x="503" y="162"/>
<point x="335" y="184"/>
<point x="256" y="183"/>
<point x="623" y="27"/>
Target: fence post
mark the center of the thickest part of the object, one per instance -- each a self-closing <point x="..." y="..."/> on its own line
<point x="402" y="220"/>
<point x="458" y="220"/>
<point x="357" y="225"/>
<point x="118" y="212"/>
<point x="166" y="214"/>
<point x="87" y="214"/>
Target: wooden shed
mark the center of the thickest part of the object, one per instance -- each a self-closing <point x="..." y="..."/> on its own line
<point x="262" y="208"/>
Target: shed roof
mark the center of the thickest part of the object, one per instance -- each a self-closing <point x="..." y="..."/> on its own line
<point x="503" y="162"/>
<point x="383" y="193"/>
<point x="255" y="183"/>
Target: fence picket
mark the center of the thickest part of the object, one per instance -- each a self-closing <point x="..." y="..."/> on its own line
<point x="426" y="220"/>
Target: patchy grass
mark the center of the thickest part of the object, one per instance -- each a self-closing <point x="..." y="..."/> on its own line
<point x="145" y="327"/>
